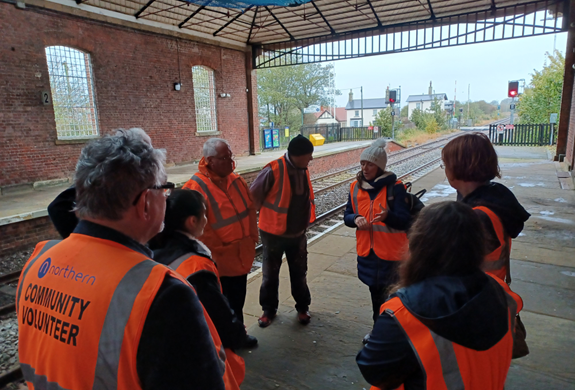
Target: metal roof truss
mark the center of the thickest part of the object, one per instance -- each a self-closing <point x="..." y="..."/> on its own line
<point x="494" y="24"/>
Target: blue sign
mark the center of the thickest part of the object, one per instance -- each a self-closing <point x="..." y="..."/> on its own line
<point x="276" y="138"/>
<point x="268" y="139"/>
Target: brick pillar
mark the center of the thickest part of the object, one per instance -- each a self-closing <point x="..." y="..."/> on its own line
<point x="567" y="94"/>
<point x="252" y="94"/>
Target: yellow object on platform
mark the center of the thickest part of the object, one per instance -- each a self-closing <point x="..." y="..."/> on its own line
<point x="316" y="139"/>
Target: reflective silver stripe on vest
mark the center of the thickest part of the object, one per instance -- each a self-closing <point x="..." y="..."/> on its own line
<point x="449" y="366"/>
<point x="176" y="263"/>
<point x="112" y="336"/>
<point x="40" y="382"/>
<point x="48" y="245"/>
<point x="276" y="205"/>
<point x="354" y="198"/>
<point x="220" y="221"/>
<point x="511" y="304"/>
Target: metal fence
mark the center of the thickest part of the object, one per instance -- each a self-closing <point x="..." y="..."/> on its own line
<point x="336" y="133"/>
<point x="523" y="134"/>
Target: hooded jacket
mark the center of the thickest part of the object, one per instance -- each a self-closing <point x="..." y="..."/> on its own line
<point x="232" y="332"/>
<point x="469" y="310"/>
<point x="504" y="204"/>
<point x="372" y="270"/>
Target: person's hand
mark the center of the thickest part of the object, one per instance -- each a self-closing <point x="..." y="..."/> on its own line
<point x="361" y="223"/>
<point x="381" y="216"/>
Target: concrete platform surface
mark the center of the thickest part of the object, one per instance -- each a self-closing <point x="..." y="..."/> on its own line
<point x="29" y="204"/>
<point x="322" y="354"/>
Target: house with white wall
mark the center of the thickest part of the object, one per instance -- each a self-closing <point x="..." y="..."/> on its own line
<point x="423" y="102"/>
<point x="371" y="107"/>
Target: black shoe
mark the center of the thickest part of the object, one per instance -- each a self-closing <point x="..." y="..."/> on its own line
<point x="250" y="342"/>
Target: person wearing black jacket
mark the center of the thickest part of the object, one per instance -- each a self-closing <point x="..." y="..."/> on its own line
<point x="376" y="272"/>
<point x="185" y="220"/>
<point x="121" y="179"/>
<point x="470" y="163"/>
<point x="452" y="302"/>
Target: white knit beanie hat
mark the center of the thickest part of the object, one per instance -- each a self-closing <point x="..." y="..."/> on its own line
<point x="376" y="153"/>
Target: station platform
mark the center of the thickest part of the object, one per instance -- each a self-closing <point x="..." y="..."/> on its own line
<point x="322" y="354"/>
<point x="25" y="205"/>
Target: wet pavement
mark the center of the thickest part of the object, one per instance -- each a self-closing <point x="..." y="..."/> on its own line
<point x="322" y="354"/>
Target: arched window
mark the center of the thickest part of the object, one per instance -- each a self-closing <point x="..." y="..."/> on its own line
<point x="204" y="99"/>
<point x="72" y="86"/>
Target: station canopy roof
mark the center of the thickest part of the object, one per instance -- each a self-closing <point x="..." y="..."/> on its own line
<point x="291" y="22"/>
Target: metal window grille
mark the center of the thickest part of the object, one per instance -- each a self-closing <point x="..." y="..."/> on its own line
<point x="204" y="98"/>
<point x="72" y="86"/>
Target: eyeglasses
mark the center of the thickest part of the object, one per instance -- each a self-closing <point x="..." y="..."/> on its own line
<point x="226" y="158"/>
<point x="167" y="188"/>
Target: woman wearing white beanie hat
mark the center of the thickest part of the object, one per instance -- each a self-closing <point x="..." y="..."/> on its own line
<point x="381" y="238"/>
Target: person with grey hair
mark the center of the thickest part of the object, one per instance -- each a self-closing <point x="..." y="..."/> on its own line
<point x="122" y="319"/>
<point x="231" y="232"/>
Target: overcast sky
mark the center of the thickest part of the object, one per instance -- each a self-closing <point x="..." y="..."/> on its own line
<point x="486" y="67"/>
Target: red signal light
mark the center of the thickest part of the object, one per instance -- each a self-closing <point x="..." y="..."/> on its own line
<point x="513" y="89"/>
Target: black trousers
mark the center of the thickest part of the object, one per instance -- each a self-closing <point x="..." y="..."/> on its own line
<point x="296" y="253"/>
<point x="378" y="296"/>
<point x="234" y="288"/>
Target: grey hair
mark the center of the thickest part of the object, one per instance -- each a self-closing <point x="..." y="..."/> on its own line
<point x="211" y="144"/>
<point x="113" y="170"/>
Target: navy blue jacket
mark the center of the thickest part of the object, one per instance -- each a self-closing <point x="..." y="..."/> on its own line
<point x="372" y="270"/>
<point x="469" y="310"/>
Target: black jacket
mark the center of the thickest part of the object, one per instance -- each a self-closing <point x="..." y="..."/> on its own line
<point x="504" y="204"/>
<point x="232" y="332"/>
<point x="372" y="270"/>
<point x="176" y="350"/>
<point x="469" y="310"/>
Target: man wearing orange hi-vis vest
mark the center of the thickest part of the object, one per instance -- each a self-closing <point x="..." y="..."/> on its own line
<point x="284" y="195"/>
<point x="231" y="232"/>
<point x="94" y="311"/>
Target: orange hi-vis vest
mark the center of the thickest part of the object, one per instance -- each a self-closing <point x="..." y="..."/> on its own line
<point x="447" y="365"/>
<point x="273" y="213"/>
<point x="229" y="233"/>
<point x="81" y="307"/>
<point x="497" y="262"/>
<point x="187" y="265"/>
<point x="386" y="242"/>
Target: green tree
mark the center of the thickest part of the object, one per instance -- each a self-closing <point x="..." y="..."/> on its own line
<point x="384" y="121"/>
<point x="543" y="95"/>
<point x="438" y="114"/>
<point x="285" y="89"/>
<point x="404" y="111"/>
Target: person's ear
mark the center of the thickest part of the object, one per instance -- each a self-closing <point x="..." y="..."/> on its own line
<point x="191" y="223"/>
<point x="143" y="205"/>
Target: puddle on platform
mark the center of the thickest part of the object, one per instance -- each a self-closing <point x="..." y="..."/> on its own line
<point x="532" y="184"/>
<point x="545" y="212"/>
<point x="560" y="200"/>
<point x="438" y="191"/>
<point x="568" y="273"/>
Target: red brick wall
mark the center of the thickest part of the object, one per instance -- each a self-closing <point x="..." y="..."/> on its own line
<point x="25" y="234"/>
<point x="134" y="73"/>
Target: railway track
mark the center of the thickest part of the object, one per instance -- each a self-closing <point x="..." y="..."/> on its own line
<point x="325" y="222"/>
